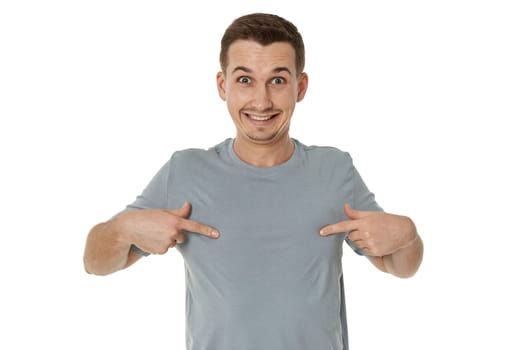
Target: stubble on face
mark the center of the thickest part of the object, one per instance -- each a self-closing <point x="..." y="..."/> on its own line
<point x="251" y="103"/>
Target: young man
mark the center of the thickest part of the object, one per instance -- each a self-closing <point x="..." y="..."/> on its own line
<point x="260" y="219"/>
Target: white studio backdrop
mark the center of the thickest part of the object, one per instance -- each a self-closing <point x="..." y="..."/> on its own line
<point x="427" y="96"/>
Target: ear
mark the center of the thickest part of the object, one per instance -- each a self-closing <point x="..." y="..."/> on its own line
<point x="302" y="86"/>
<point x="221" y="85"/>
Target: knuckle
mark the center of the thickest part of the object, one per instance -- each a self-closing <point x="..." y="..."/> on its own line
<point x="176" y="220"/>
<point x="172" y="235"/>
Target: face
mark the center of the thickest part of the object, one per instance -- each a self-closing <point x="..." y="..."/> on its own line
<point x="261" y="87"/>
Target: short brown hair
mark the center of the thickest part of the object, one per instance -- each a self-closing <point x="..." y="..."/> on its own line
<point x="265" y="29"/>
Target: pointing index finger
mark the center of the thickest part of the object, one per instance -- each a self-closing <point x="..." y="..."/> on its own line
<point x="197" y="227"/>
<point x="339" y="227"/>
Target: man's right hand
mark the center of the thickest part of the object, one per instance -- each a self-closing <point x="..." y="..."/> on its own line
<point x="156" y="230"/>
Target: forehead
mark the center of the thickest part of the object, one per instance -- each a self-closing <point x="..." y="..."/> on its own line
<point x="257" y="57"/>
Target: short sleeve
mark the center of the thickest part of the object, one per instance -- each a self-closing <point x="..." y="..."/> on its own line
<point x="361" y="199"/>
<point x="154" y="196"/>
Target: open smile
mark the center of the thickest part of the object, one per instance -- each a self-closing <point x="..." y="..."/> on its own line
<point x="260" y="117"/>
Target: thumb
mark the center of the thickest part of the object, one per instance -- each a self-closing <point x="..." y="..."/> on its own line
<point x="351" y="213"/>
<point x="183" y="211"/>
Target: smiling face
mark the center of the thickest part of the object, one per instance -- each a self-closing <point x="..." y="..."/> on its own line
<point x="261" y="87"/>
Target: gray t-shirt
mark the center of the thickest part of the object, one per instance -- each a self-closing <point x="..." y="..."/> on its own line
<point x="270" y="281"/>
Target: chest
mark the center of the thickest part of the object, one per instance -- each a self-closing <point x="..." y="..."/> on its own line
<point x="267" y="225"/>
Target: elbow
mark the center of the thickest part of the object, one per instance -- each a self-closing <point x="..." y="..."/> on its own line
<point x="405" y="273"/>
<point x="92" y="270"/>
<point x="406" y="266"/>
<point x="99" y="257"/>
<point x="91" y="267"/>
<point x="95" y="272"/>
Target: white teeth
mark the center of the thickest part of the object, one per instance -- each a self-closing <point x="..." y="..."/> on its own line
<point x="259" y="118"/>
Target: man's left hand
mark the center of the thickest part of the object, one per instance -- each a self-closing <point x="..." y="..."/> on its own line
<point x="375" y="233"/>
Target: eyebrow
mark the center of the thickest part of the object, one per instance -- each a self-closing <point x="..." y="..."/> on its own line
<point x="248" y="70"/>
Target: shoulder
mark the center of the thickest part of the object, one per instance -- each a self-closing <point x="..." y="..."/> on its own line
<point x="325" y="153"/>
<point x="190" y="156"/>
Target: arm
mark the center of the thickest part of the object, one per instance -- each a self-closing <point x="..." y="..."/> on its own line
<point x="107" y="251"/>
<point x="108" y="245"/>
<point x="405" y="261"/>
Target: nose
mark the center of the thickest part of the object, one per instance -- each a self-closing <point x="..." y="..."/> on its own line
<point x="262" y="99"/>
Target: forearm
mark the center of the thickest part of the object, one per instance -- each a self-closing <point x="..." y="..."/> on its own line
<point x="405" y="261"/>
<point x="106" y="251"/>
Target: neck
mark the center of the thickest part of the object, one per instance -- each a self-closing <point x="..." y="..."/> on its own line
<point x="264" y="155"/>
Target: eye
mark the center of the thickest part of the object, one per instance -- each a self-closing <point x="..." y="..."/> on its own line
<point x="278" y="81"/>
<point x="244" y="80"/>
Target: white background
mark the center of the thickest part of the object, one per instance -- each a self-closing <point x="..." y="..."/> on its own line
<point x="427" y="96"/>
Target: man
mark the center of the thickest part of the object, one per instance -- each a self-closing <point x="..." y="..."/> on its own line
<point x="260" y="220"/>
